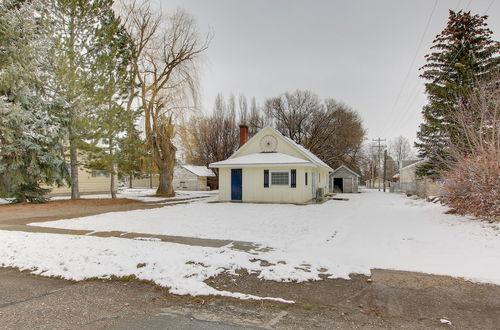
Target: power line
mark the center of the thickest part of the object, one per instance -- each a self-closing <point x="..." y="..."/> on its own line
<point x="413" y="97"/>
<point x="413" y="60"/>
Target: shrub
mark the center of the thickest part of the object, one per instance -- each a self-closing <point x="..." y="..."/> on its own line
<point x="472" y="185"/>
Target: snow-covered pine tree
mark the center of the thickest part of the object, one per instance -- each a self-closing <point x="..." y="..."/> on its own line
<point x="463" y="53"/>
<point x="31" y="153"/>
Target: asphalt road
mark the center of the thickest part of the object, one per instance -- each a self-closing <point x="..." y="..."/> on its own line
<point x="392" y="300"/>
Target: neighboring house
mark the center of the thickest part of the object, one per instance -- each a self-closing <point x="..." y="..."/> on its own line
<point x="377" y="183"/>
<point x="410" y="183"/>
<point x="192" y="177"/>
<point x="271" y="168"/>
<point x="345" y="180"/>
<point x="186" y="177"/>
<point x="89" y="182"/>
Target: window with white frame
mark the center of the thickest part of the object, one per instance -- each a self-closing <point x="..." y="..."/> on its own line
<point x="280" y="178"/>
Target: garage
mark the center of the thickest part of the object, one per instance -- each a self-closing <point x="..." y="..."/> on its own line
<point x="344" y="180"/>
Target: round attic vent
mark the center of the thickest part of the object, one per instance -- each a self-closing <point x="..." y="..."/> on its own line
<point x="268" y="143"/>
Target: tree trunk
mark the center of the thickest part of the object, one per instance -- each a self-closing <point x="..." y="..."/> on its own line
<point x="112" y="186"/>
<point x="73" y="160"/>
<point x="166" y="166"/>
<point x="112" y="174"/>
<point x="131" y="177"/>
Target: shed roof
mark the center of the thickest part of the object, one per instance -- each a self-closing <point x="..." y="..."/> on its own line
<point x="199" y="170"/>
<point x="347" y="169"/>
<point x="263" y="158"/>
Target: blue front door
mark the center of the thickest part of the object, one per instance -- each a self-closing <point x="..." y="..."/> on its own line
<point x="236" y="183"/>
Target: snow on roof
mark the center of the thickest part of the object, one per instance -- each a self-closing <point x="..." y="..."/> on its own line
<point x="315" y="159"/>
<point x="199" y="170"/>
<point x="263" y="158"/>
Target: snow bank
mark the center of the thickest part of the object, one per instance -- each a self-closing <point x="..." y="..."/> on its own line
<point x="181" y="268"/>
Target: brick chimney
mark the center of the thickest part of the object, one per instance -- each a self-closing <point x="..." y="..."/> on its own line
<point x="243" y="134"/>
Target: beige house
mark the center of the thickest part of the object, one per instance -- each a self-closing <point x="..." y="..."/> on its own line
<point x="271" y="168"/>
<point x="410" y="183"/>
<point x="89" y="182"/>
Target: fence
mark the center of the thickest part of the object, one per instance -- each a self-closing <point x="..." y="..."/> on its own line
<point x="422" y="188"/>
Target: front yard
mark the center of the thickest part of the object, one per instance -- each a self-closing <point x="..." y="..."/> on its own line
<point x="371" y="230"/>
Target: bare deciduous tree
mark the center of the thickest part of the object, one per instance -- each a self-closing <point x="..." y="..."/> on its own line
<point x="213" y="138"/>
<point x="166" y="54"/>
<point x="400" y="149"/>
<point x="331" y="129"/>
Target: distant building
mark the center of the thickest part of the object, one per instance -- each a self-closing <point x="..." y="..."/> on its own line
<point x="409" y="183"/>
<point x="186" y="177"/>
<point x="192" y="177"/>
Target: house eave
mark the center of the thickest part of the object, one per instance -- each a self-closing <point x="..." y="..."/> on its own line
<point x="214" y="165"/>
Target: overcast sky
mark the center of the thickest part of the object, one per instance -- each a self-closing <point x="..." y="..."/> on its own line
<point x="357" y="52"/>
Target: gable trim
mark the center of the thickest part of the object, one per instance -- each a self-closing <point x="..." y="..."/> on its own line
<point x="293" y="145"/>
<point x="347" y="169"/>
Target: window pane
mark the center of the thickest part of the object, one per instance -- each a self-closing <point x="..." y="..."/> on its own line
<point x="279" y="178"/>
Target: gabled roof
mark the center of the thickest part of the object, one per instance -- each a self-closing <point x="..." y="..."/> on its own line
<point x="199" y="170"/>
<point x="307" y="154"/>
<point x="347" y="169"/>
<point x="263" y="158"/>
<point x="413" y="164"/>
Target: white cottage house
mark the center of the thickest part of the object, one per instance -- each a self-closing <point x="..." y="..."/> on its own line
<point x="271" y="168"/>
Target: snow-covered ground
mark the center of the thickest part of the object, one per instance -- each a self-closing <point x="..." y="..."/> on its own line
<point x="371" y="230"/>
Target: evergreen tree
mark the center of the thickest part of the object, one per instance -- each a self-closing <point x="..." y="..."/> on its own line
<point x="112" y="80"/>
<point x="30" y="136"/>
<point x="463" y="54"/>
<point x="75" y="25"/>
<point x="132" y="154"/>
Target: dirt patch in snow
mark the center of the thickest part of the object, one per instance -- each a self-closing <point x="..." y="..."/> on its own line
<point x="420" y="299"/>
<point x="20" y="214"/>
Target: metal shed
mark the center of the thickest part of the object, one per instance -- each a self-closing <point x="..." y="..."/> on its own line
<point x="345" y="180"/>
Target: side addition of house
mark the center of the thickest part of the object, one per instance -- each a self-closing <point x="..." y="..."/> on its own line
<point x="271" y="168"/>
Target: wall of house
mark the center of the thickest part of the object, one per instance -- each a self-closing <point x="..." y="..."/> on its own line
<point x="87" y="183"/>
<point x="407" y="174"/>
<point x="345" y="174"/>
<point x="253" y="189"/>
<point x="146" y="182"/>
<point x="187" y="180"/>
<point x="409" y="183"/>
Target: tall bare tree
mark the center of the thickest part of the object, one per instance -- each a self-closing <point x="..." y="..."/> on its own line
<point x="208" y="139"/>
<point x="167" y="50"/>
<point x="400" y="149"/>
<point x="330" y="129"/>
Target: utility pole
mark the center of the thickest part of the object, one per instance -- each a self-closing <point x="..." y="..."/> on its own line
<point x="385" y="163"/>
<point x="379" y="147"/>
